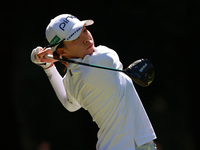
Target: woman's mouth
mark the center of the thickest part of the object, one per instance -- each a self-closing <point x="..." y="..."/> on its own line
<point x="91" y="45"/>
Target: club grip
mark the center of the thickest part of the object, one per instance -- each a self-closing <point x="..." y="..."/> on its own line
<point x="49" y="56"/>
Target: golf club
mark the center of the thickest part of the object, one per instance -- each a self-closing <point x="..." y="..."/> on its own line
<point x="140" y="71"/>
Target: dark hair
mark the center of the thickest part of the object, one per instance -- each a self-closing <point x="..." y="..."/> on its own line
<point x="55" y="53"/>
<point x="57" y="56"/>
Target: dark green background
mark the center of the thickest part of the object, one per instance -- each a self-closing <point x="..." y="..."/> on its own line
<point x="165" y="32"/>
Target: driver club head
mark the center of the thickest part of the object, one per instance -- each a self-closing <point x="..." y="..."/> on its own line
<point x="141" y="72"/>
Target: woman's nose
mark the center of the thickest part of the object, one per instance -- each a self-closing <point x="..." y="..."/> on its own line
<point x="86" y="39"/>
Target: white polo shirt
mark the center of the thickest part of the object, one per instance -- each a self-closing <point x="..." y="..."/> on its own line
<point x="111" y="99"/>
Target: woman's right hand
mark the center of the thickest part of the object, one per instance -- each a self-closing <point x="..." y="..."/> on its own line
<point x="38" y="57"/>
<point x="42" y="53"/>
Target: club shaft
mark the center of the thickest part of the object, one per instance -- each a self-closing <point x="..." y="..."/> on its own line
<point x="84" y="64"/>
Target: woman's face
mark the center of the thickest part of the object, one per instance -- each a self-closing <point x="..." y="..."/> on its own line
<point x="78" y="48"/>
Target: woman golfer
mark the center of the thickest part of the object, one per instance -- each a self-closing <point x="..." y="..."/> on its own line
<point x="108" y="96"/>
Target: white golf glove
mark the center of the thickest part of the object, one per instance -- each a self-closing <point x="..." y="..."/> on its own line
<point x="34" y="58"/>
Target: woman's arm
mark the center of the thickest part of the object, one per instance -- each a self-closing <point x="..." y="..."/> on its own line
<point x="37" y="57"/>
<point x="58" y="86"/>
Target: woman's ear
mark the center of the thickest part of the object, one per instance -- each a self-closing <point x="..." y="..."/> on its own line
<point x="62" y="51"/>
